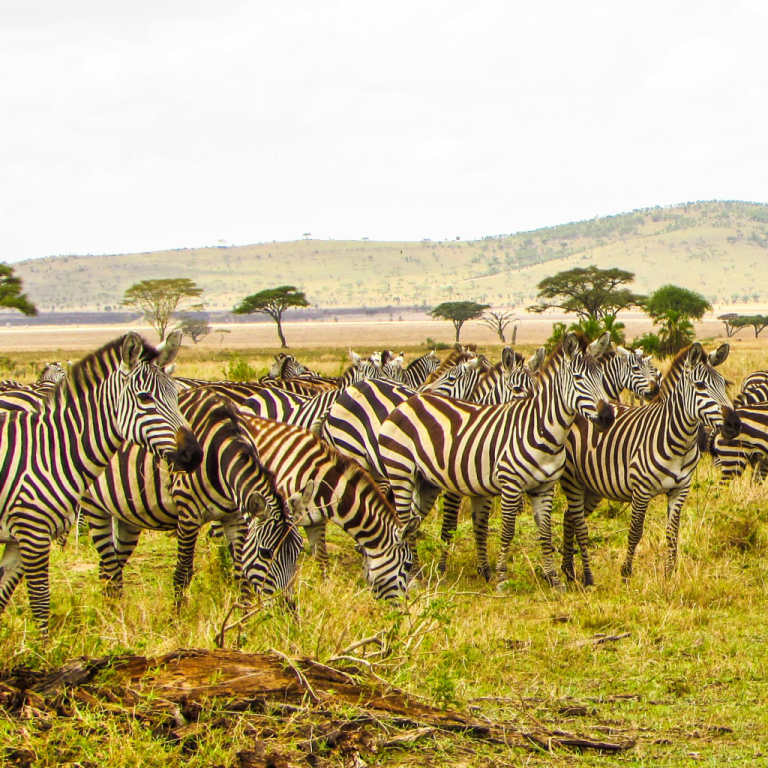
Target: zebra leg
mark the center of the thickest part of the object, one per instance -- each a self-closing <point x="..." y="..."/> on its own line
<point x="35" y="551"/>
<point x="316" y="536"/>
<point x="541" y="505"/>
<point x="575" y="505"/>
<point x="125" y="538"/>
<point x="675" y="501"/>
<point x="511" y="506"/>
<point x="451" y="504"/>
<point x="639" y="508"/>
<point x="187" y="531"/>
<point x="481" y="507"/>
<point x="760" y="471"/>
<point x="10" y="572"/>
<point x="100" y="525"/>
<point x="236" y="529"/>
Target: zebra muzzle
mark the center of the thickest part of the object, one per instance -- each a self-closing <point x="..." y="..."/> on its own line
<point x="605" y="416"/>
<point x="731" y="424"/>
<point x="188" y="454"/>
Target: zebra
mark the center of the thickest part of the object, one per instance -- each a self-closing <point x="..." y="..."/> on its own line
<point x="650" y="450"/>
<point x="415" y="373"/>
<point x="624" y="369"/>
<point x="750" y="448"/>
<point x="288" y="367"/>
<point x="136" y="492"/>
<point x="754" y="389"/>
<point x="48" y="459"/>
<point x="431" y="443"/>
<point x="344" y="494"/>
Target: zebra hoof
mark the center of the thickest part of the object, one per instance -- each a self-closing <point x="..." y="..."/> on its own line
<point x="442" y="568"/>
<point x="626" y="573"/>
<point x="568" y="572"/>
<point x="486" y="572"/>
<point x="589" y="580"/>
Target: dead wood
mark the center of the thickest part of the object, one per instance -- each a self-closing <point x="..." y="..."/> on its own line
<point x="183" y="681"/>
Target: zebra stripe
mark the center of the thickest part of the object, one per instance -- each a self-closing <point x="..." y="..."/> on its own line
<point x="650" y="450"/>
<point x="624" y="369"/>
<point x="136" y="492"/>
<point x="430" y="443"/>
<point x="344" y="494"/>
<point x="749" y="449"/>
<point x="48" y="459"/>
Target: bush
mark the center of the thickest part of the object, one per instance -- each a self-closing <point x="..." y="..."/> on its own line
<point x="237" y="369"/>
<point x="438" y="345"/>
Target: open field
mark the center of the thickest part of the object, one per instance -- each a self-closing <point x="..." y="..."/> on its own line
<point x="677" y="667"/>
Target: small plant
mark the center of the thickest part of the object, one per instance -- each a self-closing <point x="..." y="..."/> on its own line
<point x="430" y="343"/>
<point x="237" y="369"/>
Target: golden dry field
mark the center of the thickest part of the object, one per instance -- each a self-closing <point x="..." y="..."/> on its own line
<point x="673" y="672"/>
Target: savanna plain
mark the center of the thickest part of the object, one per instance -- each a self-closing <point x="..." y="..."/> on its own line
<point x="672" y="669"/>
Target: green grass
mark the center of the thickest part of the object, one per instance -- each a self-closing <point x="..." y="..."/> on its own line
<point x="717" y="248"/>
<point x="688" y="683"/>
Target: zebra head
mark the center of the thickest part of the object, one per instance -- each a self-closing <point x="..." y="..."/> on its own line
<point x="285" y="367"/>
<point x="459" y="381"/>
<point x="582" y="379"/>
<point x="272" y="548"/>
<point x="632" y="371"/>
<point x="703" y="390"/>
<point x="146" y="403"/>
<point x="361" y="369"/>
<point x="388" y="573"/>
<point x="53" y="372"/>
<point x="519" y="380"/>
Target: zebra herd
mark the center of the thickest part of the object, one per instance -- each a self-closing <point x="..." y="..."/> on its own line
<point x="119" y="442"/>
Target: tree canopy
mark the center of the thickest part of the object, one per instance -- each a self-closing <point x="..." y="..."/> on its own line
<point x="195" y="325"/>
<point x="458" y="312"/>
<point x="273" y="302"/>
<point x="590" y="292"/>
<point x="758" y="322"/>
<point x="686" y="302"/>
<point x="11" y="296"/>
<point x="159" y="300"/>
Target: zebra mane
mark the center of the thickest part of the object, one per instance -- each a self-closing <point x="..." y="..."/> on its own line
<point x="416" y="360"/>
<point x="674" y="373"/>
<point x="557" y="353"/>
<point x="457" y="356"/>
<point x="96" y="366"/>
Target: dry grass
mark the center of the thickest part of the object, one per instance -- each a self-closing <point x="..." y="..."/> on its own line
<point x="687" y="681"/>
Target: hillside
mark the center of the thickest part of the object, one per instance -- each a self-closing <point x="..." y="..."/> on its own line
<point x="718" y="248"/>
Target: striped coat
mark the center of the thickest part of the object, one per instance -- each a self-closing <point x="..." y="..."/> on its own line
<point x="48" y="459"/>
<point x="431" y="443"/>
<point x="650" y="450"/>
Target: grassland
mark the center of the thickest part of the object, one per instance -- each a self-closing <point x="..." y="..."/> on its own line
<point x="717" y="248"/>
<point x="685" y="680"/>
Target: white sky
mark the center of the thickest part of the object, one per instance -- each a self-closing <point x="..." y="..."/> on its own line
<point x="134" y="126"/>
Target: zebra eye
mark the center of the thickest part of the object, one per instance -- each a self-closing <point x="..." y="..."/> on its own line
<point x="265" y="554"/>
<point x="699" y="384"/>
<point x="145" y="398"/>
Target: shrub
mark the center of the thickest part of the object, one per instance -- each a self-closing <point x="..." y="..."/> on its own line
<point x="237" y="369"/>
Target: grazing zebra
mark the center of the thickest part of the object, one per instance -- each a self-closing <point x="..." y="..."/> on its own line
<point x="430" y="443"/>
<point x="136" y="492"/>
<point x="288" y="367"/>
<point x="750" y="448"/>
<point x="650" y="450"/>
<point x="344" y="494"/>
<point x="48" y="459"/>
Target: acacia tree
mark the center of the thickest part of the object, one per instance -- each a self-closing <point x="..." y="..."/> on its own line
<point x="758" y="322"/>
<point x="11" y="296"/>
<point x="195" y="325"/>
<point x="159" y="300"/>
<point x="498" y="322"/>
<point x="458" y="312"/>
<point x="730" y="328"/>
<point x="273" y="302"/>
<point x="590" y="292"/>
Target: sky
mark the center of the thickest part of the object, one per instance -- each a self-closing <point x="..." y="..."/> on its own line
<point x="147" y="125"/>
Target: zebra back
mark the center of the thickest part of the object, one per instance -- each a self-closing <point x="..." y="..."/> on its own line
<point x="749" y="448"/>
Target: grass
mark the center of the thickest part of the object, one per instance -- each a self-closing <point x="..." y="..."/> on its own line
<point x="687" y="682"/>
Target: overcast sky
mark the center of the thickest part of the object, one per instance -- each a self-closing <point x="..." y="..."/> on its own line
<point x="135" y="126"/>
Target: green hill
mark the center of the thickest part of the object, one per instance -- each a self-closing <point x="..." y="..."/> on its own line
<point x="717" y="248"/>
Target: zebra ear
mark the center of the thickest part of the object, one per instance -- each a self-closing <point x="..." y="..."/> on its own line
<point x="169" y="349"/>
<point x="257" y="507"/>
<point x="169" y="369"/>
<point x="410" y="527"/>
<point x="316" y="427"/>
<point x="355" y="358"/>
<point x="132" y="347"/>
<point x="570" y="345"/>
<point x="599" y="347"/>
<point x="720" y="355"/>
<point x="508" y="359"/>
<point x="535" y="363"/>
<point x="695" y="355"/>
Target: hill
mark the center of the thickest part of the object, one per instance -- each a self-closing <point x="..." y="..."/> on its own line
<point x="717" y="248"/>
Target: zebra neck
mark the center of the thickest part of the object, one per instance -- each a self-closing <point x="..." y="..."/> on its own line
<point x="553" y="415"/>
<point x="676" y="412"/>
<point x="486" y="391"/>
<point x="82" y="432"/>
<point x="612" y="379"/>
